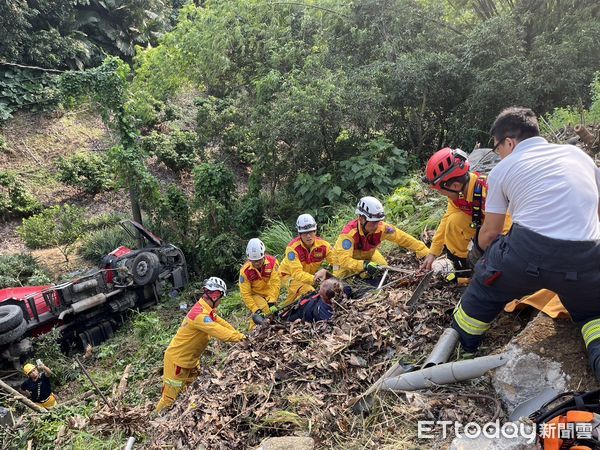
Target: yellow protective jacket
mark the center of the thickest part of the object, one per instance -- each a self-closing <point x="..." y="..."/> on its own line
<point x="200" y="324"/>
<point x="301" y="264"/>
<point x="353" y="246"/>
<point x="455" y="230"/>
<point x="265" y="283"/>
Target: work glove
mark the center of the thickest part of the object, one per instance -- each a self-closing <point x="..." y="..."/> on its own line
<point x="258" y="317"/>
<point x="371" y="268"/>
<point x="274" y="309"/>
<point x="475" y="253"/>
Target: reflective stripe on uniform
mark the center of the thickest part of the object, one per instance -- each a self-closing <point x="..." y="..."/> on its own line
<point x="591" y="331"/>
<point x="173" y="383"/>
<point x="469" y="324"/>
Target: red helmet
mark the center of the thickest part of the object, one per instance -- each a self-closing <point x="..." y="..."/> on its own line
<point x="444" y="165"/>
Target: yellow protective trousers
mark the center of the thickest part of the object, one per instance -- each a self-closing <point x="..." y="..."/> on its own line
<point x="175" y="379"/>
<point x="49" y="403"/>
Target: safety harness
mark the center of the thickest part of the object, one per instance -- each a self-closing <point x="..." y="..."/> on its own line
<point x="477" y="215"/>
<point x="570" y="420"/>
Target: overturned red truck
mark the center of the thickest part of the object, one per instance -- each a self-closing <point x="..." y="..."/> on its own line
<point x="87" y="309"/>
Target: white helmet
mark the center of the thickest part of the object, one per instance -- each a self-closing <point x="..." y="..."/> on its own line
<point x="371" y="209"/>
<point x="215" y="284"/>
<point x="305" y="223"/>
<point x="255" y="249"/>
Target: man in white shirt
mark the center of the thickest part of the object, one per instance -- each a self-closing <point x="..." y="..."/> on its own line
<point x="552" y="193"/>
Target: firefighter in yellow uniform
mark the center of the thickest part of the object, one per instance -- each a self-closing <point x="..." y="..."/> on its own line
<point x="259" y="282"/>
<point x="448" y="172"/>
<point x="356" y="249"/>
<point x="182" y="357"/>
<point x="301" y="267"/>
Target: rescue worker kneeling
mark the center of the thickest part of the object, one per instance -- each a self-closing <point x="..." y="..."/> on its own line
<point x="356" y="249"/>
<point x="181" y="359"/>
<point x="301" y="266"/>
<point x="259" y="282"/>
<point x="318" y="306"/>
<point x="448" y="172"/>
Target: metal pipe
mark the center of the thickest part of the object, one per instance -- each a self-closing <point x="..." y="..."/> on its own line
<point x="385" y="274"/>
<point x="130" y="443"/>
<point x="85" y="285"/>
<point x="443" y="374"/>
<point x="443" y="349"/>
<point x="88" y="303"/>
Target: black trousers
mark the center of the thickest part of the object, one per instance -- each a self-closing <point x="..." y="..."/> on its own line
<point x="523" y="262"/>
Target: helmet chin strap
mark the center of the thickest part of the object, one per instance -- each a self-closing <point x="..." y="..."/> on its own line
<point x="453" y="190"/>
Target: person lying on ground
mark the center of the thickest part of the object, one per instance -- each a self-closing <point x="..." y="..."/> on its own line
<point x="319" y="305"/>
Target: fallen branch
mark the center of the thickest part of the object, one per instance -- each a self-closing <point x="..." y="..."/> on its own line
<point x="85" y="395"/>
<point x="122" y="385"/>
<point x="16" y="394"/>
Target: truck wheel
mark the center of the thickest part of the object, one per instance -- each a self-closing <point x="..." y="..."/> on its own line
<point x="10" y="317"/>
<point x="14" y="334"/>
<point x="145" y="268"/>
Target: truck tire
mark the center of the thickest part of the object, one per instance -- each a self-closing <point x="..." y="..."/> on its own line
<point x="145" y="268"/>
<point x="15" y="334"/>
<point x="10" y="317"/>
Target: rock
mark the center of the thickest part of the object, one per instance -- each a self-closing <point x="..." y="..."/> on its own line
<point x="525" y="375"/>
<point x="548" y="353"/>
<point x="524" y="441"/>
<point x="287" y="443"/>
<point x="490" y="159"/>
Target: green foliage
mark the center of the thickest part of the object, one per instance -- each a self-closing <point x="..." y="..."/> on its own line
<point x="22" y="269"/>
<point x="277" y="236"/>
<point x="87" y="171"/>
<point x="48" y="349"/>
<point x="25" y="88"/>
<point x="415" y="207"/>
<point x="58" y="226"/>
<point x="66" y="33"/>
<point x="378" y="166"/>
<point x="177" y="150"/>
<point x="15" y="201"/>
<point x="213" y="182"/>
<point x="98" y="243"/>
<point x="280" y="83"/>
<point x="571" y="115"/>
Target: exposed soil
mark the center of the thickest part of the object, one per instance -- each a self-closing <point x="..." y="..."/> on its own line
<point x="561" y="341"/>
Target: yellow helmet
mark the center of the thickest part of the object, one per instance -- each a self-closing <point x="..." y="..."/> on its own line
<point x="27" y="368"/>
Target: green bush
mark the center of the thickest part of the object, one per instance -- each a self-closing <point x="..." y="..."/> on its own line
<point x="15" y="201"/>
<point x="87" y="171"/>
<point x="213" y="181"/>
<point x="573" y="115"/>
<point x="98" y="243"/>
<point x="415" y="207"/>
<point x="376" y="168"/>
<point x="22" y="270"/>
<point x="177" y="150"/>
<point x="58" y="226"/>
<point x="48" y="349"/>
<point x="276" y="237"/>
<point x="220" y="255"/>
